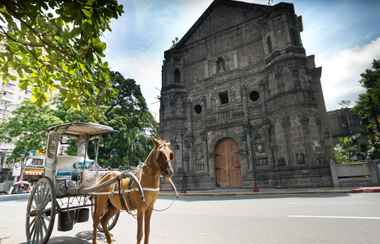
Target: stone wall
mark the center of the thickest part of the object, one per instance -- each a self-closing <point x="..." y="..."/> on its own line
<point x="241" y="72"/>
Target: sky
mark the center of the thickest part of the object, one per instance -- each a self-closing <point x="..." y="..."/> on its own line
<point x="343" y="35"/>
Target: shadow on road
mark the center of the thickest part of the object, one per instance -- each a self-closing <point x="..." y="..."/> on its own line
<point x="258" y="196"/>
<point x="84" y="237"/>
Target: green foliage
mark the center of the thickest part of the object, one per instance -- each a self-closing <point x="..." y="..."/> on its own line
<point x="368" y="107"/>
<point x="55" y="45"/>
<point x="126" y="111"/>
<point x="350" y="149"/>
<point x="27" y="128"/>
<point x="129" y="115"/>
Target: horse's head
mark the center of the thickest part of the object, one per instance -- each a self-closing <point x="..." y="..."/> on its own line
<point x="164" y="156"/>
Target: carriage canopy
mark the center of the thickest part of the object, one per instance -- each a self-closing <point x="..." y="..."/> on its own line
<point x="81" y="128"/>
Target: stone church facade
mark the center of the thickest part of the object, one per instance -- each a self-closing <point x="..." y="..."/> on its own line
<point x="241" y="100"/>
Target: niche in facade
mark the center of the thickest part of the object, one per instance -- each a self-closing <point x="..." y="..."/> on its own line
<point x="177" y="76"/>
<point x="220" y="65"/>
<point x="223" y="97"/>
<point x="269" y="44"/>
<point x="198" y="109"/>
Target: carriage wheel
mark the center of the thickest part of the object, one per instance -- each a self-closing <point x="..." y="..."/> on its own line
<point x="111" y="223"/>
<point x="40" y="212"/>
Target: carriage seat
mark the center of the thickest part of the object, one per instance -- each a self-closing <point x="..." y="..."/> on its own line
<point x="67" y="162"/>
<point x="89" y="178"/>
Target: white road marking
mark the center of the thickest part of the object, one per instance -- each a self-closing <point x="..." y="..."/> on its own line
<point x="333" y="217"/>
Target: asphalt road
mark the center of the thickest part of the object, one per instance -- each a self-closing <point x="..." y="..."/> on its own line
<point x="325" y="218"/>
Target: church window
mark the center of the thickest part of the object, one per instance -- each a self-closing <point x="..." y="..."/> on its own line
<point x="220" y="65"/>
<point x="269" y="44"/>
<point x="254" y="96"/>
<point x="223" y="97"/>
<point x="177" y="76"/>
<point x="198" y="108"/>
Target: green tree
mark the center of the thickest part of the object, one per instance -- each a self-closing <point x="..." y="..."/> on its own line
<point x="350" y="148"/>
<point x="368" y="107"/>
<point x="127" y="113"/>
<point x="55" y="45"/>
<point x="27" y="127"/>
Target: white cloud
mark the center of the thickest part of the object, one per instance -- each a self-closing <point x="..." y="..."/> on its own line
<point x="146" y="70"/>
<point x="145" y="65"/>
<point x="341" y="72"/>
<point x="341" y="69"/>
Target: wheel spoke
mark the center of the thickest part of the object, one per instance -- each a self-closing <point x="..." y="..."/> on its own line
<point x="34" y="204"/>
<point x="44" y="225"/>
<point x="41" y="231"/>
<point x="34" y="234"/>
<point x="45" y="201"/>
<point x="33" y="221"/>
<point x="40" y="212"/>
<point x="38" y="191"/>
<point x="33" y="230"/>
<point x="46" y="194"/>
<point x="38" y="228"/>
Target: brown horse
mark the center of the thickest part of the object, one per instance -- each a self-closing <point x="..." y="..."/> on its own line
<point x="109" y="202"/>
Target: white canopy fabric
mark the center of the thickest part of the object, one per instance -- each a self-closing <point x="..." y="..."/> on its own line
<point x="81" y="128"/>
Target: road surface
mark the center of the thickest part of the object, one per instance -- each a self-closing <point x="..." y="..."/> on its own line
<point x="303" y="219"/>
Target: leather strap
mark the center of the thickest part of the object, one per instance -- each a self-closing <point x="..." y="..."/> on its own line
<point x="122" y="197"/>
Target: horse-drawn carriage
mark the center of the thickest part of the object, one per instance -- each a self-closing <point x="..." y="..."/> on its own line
<point x="71" y="183"/>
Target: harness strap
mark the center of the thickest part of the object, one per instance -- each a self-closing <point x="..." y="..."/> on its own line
<point x="126" y="191"/>
<point x="123" y="201"/>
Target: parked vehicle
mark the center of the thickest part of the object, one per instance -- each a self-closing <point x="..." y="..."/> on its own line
<point x="33" y="169"/>
<point x="60" y="190"/>
<point x="21" y="187"/>
<point x="6" y="181"/>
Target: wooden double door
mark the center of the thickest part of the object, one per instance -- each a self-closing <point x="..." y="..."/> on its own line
<point x="227" y="163"/>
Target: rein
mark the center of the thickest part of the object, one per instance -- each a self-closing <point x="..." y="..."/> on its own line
<point x="172" y="203"/>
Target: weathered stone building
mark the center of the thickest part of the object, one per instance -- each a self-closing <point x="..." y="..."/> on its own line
<point x="343" y="122"/>
<point x="240" y="99"/>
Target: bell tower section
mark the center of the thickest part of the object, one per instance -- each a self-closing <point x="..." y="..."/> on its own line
<point x="294" y="103"/>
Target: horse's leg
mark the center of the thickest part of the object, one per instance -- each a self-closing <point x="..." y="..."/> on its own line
<point x="140" y="218"/>
<point x="95" y="219"/>
<point x="111" y="211"/>
<point x="148" y="214"/>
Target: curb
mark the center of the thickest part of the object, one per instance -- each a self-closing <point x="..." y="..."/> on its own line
<point x="14" y="197"/>
<point x="365" y="189"/>
<point x="253" y="194"/>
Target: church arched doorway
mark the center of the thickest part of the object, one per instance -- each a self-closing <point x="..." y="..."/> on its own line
<point x="227" y="163"/>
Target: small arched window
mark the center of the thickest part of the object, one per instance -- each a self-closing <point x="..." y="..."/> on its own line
<point x="177" y="76"/>
<point x="220" y="65"/>
<point x="269" y="44"/>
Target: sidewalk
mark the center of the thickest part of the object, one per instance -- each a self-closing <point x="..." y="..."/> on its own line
<point x="263" y="191"/>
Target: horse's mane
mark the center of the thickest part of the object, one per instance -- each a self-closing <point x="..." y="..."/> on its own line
<point x="141" y="165"/>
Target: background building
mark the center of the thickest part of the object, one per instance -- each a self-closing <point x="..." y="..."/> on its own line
<point x="343" y="122"/>
<point x="241" y="100"/>
<point x="10" y="98"/>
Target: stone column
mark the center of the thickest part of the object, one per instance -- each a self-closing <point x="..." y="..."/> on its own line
<point x="334" y="175"/>
<point x="248" y="128"/>
<point x="372" y="166"/>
